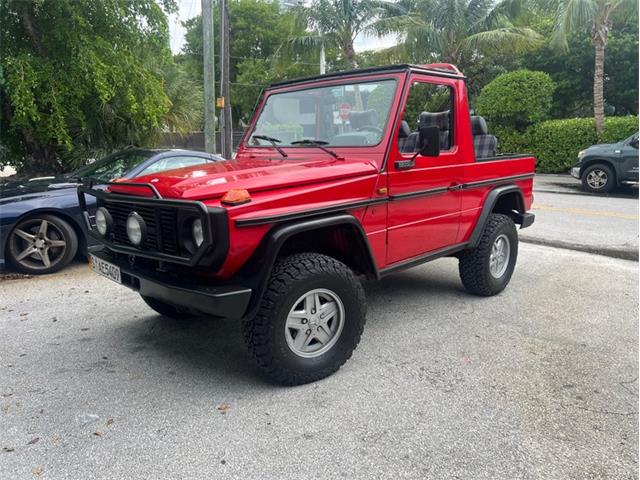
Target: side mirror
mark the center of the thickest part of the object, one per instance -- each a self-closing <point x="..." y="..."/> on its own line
<point x="429" y="141"/>
<point x="634" y="143"/>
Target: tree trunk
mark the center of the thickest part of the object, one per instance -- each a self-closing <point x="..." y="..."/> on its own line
<point x="350" y="54"/>
<point x="598" y="88"/>
<point x="600" y="34"/>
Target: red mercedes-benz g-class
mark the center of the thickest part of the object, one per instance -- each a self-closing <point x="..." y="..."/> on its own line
<point x="339" y="177"/>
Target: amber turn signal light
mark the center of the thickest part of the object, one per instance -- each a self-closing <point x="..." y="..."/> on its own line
<point x="236" y="196"/>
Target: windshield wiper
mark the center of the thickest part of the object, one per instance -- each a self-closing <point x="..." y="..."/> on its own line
<point x="320" y="144"/>
<point x="272" y="141"/>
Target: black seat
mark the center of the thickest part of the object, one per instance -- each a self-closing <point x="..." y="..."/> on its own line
<point x="484" y="145"/>
<point x="360" y="134"/>
<point x="366" y="118"/>
<point x="440" y="120"/>
<point x="407" y="140"/>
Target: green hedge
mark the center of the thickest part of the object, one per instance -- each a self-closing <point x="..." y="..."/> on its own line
<point x="517" y="99"/>
<point x="556" y="143"/>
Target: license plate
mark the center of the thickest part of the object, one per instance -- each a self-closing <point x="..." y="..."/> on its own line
<point x="105" y="269"/>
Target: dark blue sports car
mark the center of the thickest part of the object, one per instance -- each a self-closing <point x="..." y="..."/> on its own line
<point x="40" y="223"/>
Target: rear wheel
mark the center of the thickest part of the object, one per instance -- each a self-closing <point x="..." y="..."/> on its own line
<point x="166" y="309"/>
<point x="486" y="269"/>
<point x="42" y="244"/>
<point x="598" y="178"/>
<point x="310" y="320"/>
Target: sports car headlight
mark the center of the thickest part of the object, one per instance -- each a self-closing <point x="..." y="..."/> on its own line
<point x="136" y="228"/>
<point x="580" y="154"/>
<point x="103" y="221"/>
<point x="197" y="233"/>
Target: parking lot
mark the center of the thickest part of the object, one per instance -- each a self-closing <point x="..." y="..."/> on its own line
<point x="540" y="381"/>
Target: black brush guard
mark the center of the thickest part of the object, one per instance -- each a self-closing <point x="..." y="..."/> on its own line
<point x="170" y="221"/>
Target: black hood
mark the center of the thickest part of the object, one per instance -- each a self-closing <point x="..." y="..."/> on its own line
<point x="17" y="188"/>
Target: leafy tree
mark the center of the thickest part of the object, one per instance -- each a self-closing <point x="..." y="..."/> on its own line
<point x="572" y="71"/>
<point x="74" y="73"/>
<point x="458" y="31"/>
<point x="258" y="29"/>
<point x="597" y="16"/>
<point x="517" y="99"/>
<point x="336" y="24"/>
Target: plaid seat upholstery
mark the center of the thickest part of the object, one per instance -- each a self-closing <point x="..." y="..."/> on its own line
<point x="440" y="120"/>
<point x="484" y="145"/>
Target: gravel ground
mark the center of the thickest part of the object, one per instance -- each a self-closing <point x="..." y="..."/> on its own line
<point x="538" y="382"/>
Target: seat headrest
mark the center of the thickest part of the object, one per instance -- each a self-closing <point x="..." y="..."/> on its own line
<point x="440" y="120"/>
<point x="405" y="129"/>
<point x="364" y="118"/>
<point x="479" y="125"/>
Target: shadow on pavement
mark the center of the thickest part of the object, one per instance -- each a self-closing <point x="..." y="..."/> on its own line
<point x="575" y="188"/>
<point x="214" y="349"/>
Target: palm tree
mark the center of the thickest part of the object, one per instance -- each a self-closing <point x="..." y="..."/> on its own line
<point x="337" y="23"/>
<point x="597" y="15"/>
<point x="457" y="31"/>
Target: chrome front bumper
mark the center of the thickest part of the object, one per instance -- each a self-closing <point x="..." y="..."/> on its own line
<point x="575" y="172"/>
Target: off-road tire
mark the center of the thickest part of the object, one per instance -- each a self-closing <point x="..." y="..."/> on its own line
<point x="167" y="309"/>
<point x="474" y="263"/>
<point x="64" y="232"/>
<point x="292" y="277"/>
<point x="607" y="187"/>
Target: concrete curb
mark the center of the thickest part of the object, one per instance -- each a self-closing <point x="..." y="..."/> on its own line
<point x="624" y="254"/>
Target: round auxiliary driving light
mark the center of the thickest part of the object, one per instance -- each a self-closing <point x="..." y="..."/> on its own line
<point x="103" y="221"/>
<point x="197" y="232"/>
<point x="136" y="229"/>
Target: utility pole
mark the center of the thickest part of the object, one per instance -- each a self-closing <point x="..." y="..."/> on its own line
<point x="323" y="59"/>
<point x="209" y="77"/>
<point x="227" y="134"/>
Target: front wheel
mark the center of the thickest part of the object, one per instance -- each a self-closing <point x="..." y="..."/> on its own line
<point x="486" y="269"/>
<point x="310" y="319"/>
<point x="42" y="244"/>
<point x="598" y="178"/>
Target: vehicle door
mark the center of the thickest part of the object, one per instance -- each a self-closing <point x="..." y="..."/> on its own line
<point x="424" y="191"/>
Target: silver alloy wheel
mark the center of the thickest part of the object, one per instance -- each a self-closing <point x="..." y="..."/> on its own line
<point x="38" y="244"/>
<point x="314" y="323"/>
<point x="500" y="254"/>
<point x="597" y="178"/>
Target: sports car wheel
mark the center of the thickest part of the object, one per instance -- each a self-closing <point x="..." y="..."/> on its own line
<point x="41" y="244"/>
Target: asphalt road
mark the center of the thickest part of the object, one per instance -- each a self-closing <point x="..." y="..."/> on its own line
<point x="538" y="382"/>
<point x="567" y="217"/>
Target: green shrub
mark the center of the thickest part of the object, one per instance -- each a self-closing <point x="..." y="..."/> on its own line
<point x="618" y="128"/>
<point x="556" y="143"/>
<point x="517" y="99"/>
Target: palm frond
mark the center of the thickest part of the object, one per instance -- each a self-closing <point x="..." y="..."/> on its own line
<point x="510" y="39"/>
<point x="571" y="15"/>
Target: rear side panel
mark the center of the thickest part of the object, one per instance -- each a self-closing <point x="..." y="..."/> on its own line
<point x="481" y="177"/>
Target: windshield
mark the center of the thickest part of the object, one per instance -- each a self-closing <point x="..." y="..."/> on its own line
<point x="349" y="115"/>
<point x="113" y="166"/>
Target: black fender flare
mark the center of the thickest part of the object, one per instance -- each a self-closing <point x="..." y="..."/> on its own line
<point x="489" y="204"/>
<point x="257" y="270"/>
